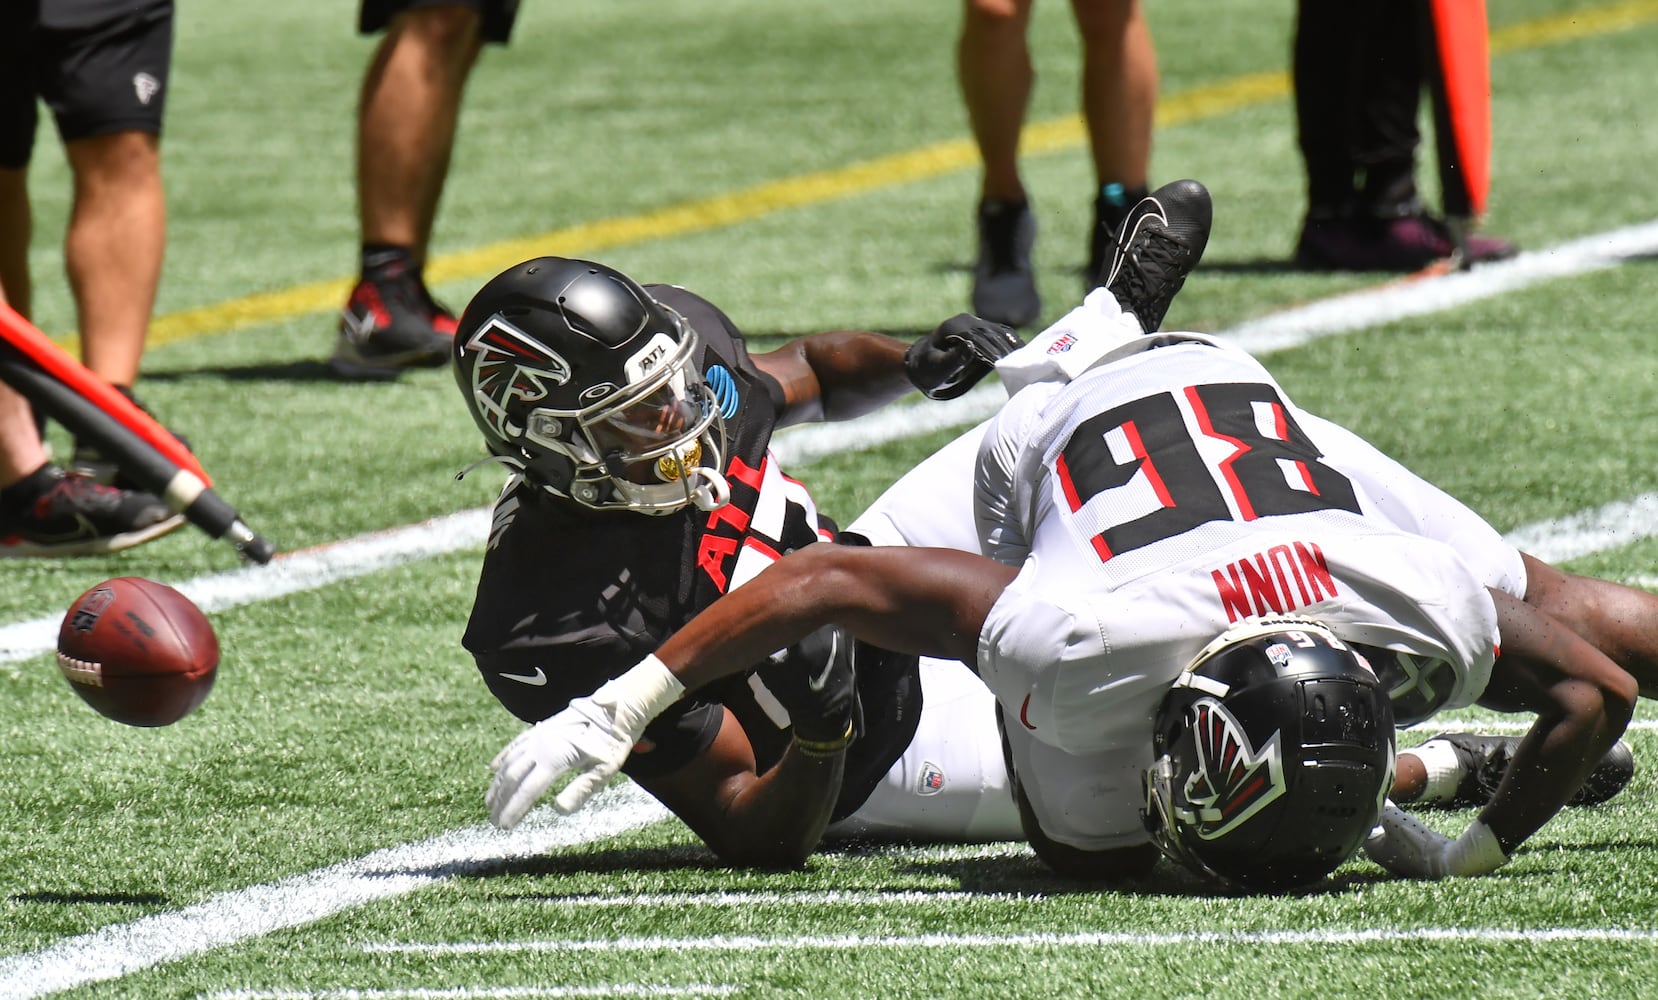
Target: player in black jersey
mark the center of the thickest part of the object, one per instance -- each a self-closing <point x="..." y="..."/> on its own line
<point x="637" y="425"/>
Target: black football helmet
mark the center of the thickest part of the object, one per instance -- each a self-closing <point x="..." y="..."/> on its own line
<point x="589" y="387"/>
<point x="1273" y="757"/>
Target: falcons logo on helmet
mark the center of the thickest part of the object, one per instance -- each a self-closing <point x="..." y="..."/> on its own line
<point x="511" y="365"/>
<point x="1233" y="780"/>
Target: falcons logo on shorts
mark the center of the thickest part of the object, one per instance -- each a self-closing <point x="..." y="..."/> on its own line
<point x="1233" y="780"/>
<point x="511" y="365"/>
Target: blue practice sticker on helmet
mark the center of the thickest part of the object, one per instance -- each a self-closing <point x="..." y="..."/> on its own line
<point x="725" y="389"/>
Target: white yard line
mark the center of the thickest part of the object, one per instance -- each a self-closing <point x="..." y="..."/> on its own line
<point x="232" y="917"/>
<point x="289" y="573"/>
<point x="1590" y="531"/>
<point x="489" y="993"/>
<point x="726" y="900"/>
<point x="861" y="942"/>
<point x="236" y="916"/>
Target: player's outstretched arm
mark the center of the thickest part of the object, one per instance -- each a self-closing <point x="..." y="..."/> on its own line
<point x="910" y="600"/>
<point x="836" y="375"/>
<point x="845" y="374"/>
<point x="1583" y="702"/>
<point x="927" y="601"/>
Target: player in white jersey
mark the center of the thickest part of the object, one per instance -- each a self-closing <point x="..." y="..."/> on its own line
<point x="1160" y="556"/>
<point x="1159" y="491"/>
<point x="1085" y="792"/>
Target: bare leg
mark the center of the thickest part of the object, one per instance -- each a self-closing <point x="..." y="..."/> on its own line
<point x="994" y="66"/>
<point x="113" y="249"/>
<point x="1119" y="88"/>
<point x="20" y="449"/>
<point x="407" y="119"/>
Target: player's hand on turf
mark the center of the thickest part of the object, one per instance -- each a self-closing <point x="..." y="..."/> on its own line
<point x="816" y="681"/>
<point x="1406" y="846"/>
<point x="585" y="737"/>
<point x="953" y="358"/>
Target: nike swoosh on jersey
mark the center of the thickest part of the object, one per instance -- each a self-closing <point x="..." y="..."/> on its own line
<point x="537" y="679"/>
<point x="816" y="683"/>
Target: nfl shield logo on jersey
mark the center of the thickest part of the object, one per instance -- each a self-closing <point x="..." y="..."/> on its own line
<point x="931" y="779"/>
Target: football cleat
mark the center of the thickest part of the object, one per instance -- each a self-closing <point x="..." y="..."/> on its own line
<point x="1111" y="208"/>
<point x="1484" y="760"/>
<point x="1161" y="241"/>
<point x="1004" y="282"/>
<point x="388" y="325"/>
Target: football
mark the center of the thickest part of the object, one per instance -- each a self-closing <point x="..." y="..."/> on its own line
<point x="138" y="651"/>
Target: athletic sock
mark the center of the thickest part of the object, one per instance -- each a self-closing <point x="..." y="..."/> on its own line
<point x="19" y="495"/>
<point x="386" y="260"/>
<point x="1445" y="771"/>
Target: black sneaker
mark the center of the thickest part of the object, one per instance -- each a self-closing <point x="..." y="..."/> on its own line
<point x="1004" y="283"/>
<point x="1161" y="242"/>
<point x="74" y="515"/>
<point x="1484" y="761"/>
<point x="389" y="325"/>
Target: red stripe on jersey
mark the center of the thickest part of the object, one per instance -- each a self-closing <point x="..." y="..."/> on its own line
<point x="1246" y="510"/>
<point x="1281" y="427"/>
<point x="757" y="545"/>
<point x="1066" y="485"/>
<point x="1137" y="446"/>
<point x="1069" y="488"/>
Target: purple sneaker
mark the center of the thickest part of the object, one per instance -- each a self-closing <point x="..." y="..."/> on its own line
<point x="1404" y="244"/>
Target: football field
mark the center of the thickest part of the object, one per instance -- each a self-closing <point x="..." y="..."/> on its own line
<point x="317" y="828"/>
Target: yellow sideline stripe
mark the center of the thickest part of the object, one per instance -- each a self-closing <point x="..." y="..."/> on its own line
<point x="742" y="205"/>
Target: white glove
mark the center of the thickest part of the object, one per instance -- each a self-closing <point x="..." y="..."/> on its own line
<point x="1405" y="846"/>
<point x="594" y="736"/>
<point x="583" y="736"/>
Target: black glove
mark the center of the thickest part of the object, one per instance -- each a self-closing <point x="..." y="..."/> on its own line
<point x="963" y="349"/>
<point x="816" y="682"/>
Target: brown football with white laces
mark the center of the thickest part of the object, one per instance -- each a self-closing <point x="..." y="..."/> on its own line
<point x="138" y="651"/>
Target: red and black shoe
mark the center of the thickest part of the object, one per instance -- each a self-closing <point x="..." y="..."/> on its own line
<point x="56" y="513"/>
<point x="389" y="324"/>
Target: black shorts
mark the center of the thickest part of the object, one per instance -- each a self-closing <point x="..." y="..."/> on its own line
<point x="108" y="76"/>
<point x="498" y="15"/>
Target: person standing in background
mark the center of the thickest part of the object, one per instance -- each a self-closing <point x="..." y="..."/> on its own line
<point x="1119" y="101"/>
<point x="102" y="68"/>
<point x="1359" y="69"/>
<point x="407" y="118"/>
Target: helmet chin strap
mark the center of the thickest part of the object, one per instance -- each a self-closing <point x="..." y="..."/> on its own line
<point x="713" y="492"/>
